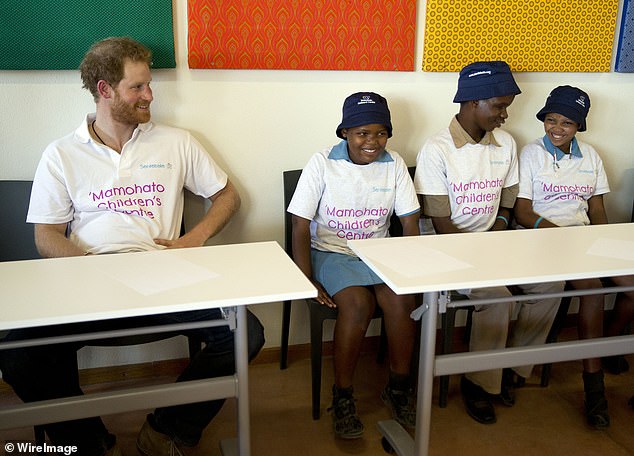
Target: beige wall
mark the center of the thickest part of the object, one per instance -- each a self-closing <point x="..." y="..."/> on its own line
<point x="258" y="123"/>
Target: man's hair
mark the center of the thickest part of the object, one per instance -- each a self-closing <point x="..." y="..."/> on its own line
<point x="106" y="60"/>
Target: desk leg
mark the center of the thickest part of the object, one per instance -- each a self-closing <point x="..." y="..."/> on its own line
<point x="242" y="372"/>
<point x="426" y="373"/>
<point x="392" y="432"/>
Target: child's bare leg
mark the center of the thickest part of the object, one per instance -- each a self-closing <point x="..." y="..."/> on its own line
<point x="623" y="312"/>
<point x="356" y="306"/>
<point x="401" y="333"/>
<point x="399" y="326"/>
<point x="590" y="318"/>
<point x="589" y="326"/>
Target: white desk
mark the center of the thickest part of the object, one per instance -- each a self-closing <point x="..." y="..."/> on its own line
<point x="82" y="289"/>
<point x="433" y="264"/>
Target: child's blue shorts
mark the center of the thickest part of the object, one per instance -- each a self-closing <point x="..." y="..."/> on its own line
<point x="336" y="271"/>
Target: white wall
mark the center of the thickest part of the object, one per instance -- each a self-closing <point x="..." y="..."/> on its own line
<point x="257" y="124"/>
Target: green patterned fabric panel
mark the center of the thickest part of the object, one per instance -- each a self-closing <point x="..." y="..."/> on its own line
<point x="55" y="34"/>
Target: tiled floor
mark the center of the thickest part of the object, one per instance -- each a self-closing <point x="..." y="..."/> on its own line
<point x="545" y="421"/>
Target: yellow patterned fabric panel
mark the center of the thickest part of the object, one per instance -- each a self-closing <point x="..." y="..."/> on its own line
<point x="530" y="35"/>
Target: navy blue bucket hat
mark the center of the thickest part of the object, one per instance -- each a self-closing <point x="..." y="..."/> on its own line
<point x="484" y="80"/>
<point x="365" y="108"/>
<point x="568" y="101"/>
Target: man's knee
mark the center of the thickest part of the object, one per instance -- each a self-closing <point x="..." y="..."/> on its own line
<point x="22" y="365"/>
<point x="255" y="335"/>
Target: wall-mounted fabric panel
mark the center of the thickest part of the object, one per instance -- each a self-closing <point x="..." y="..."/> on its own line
<point x="55" y="34"/>
<point x="625" y="50"/>
<point x="531" y="35"/>
<point x="302" y="34"/>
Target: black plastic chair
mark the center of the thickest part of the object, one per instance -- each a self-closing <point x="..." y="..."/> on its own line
<point x="17" y="242"/>
<point x="16" y="238"/>
<point x="317" y="313"/>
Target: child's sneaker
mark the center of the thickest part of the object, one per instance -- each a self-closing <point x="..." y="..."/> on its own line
<point x="345" y="421"/>
<point x="402" y="404"/>
<point x="596" y="404"/>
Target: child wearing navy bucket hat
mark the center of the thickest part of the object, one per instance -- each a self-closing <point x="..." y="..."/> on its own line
<point x="562" y="183"/>
<point x="350" y="191"/>
<point x="365" y="108"/>
<point x="567" y="101"/>
<point x="467" y="177"/>
<point x="485" y="80"/>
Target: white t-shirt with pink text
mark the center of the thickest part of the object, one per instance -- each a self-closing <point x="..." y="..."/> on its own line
<point x="345" y="201"/>
<point x="560" y="189"/>
<point x="472" y="176"/>
<point x="121" y="202"/>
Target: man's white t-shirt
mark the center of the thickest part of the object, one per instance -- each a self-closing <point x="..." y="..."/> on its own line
<point x="121" y="202"/>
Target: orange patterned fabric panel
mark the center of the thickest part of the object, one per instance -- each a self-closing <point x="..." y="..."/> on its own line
<point x="530" y="35"/>
<point x="302" y="34"/>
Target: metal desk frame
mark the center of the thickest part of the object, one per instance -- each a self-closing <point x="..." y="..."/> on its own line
<point x="164" y="395"/>
<point x="240" y="265"/>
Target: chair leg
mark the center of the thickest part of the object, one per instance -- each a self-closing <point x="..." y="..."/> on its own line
<point x="545" y="378"/>
<point x="316" y="335"/>
<point x="194" y="346"/>
<point x="286" y="323"/>
<point x="467" y="330"/>
<point x="448" y="321"/>
<point x="555" y="329"/>
<point x="40" y="435"/>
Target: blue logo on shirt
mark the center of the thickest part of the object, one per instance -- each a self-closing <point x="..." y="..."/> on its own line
<point x="156" y="166"/>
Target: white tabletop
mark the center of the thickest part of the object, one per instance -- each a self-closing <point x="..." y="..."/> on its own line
<point x="474" y="260"/>
<point x="434" y="263"/>
<point x="79" y="289"/>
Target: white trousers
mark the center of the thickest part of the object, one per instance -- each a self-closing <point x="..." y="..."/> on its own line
<point x="490" y="326"/>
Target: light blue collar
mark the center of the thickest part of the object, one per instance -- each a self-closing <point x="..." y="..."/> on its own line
<point x="340" y="152"/>
<point x="575" y="151"/>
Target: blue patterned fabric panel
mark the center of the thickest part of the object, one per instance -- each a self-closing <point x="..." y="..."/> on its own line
<point x="625" y="50"/>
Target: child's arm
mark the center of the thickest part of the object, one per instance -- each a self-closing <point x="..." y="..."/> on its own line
<point x="596" y="210"/>
<point x="301" y="256"/>
<point x="526" y="217"/>
<point x="410" y="224"/>
<point x="444" y="225"/>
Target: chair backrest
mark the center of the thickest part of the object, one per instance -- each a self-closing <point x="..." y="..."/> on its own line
<point x="16" y="236"/>
<point x="290" y="183"/>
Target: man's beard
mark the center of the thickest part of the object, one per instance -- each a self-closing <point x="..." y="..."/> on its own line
<point x="128" y="114"/>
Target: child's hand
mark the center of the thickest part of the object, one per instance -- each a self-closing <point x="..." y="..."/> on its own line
<point x="323" y="297"/>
